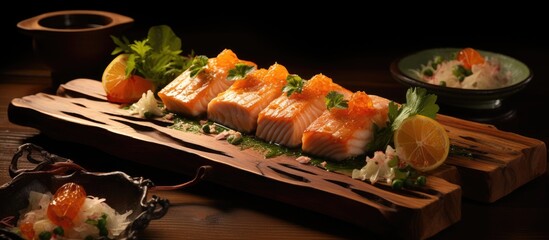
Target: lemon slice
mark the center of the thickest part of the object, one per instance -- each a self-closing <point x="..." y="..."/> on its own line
<point x="422" y="142"/>
<point x="122" y="89"/>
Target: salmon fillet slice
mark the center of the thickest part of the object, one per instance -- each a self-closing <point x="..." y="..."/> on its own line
<point x="340" y="134"/>
<point x="238" y="107"/>
<point x="190" y="95"/>
<point x="284" y="119"/>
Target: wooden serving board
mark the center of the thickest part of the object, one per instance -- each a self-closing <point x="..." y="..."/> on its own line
<point x="80" y="113"/>
<point x="501" y="162"/>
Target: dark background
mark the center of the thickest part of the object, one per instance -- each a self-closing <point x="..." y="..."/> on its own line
<point x="316" y="36"/>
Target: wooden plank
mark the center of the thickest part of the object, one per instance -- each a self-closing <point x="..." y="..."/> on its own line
<point x="500" y="163"/>
<point x="83" y="115"/>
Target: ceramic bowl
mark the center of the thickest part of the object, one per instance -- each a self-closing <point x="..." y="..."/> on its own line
<point x="402" y="71"/>
<point x="74" y="43"/>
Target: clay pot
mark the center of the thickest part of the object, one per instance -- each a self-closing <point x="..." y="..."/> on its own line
<point x="75" y="43"/>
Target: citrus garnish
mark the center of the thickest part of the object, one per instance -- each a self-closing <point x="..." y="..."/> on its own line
<point x="422" y="142"/>
<point x="122" y="89"/>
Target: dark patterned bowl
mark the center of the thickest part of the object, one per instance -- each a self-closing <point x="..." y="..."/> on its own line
<point x="122" y="192"/>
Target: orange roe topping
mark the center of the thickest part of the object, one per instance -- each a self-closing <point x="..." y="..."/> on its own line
<point x="27" y="230"/>
<point x="251" y="80"/>
<point x="318" y="85"/>
<point x="277" y="75"/>
<point x="66" y="204"/>
<point x="360" y="104"/>
<point x="469" y="57"/>
<point x="225" y="59"/>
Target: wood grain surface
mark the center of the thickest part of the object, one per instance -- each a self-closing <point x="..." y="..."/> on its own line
<point x="80" y="113"/>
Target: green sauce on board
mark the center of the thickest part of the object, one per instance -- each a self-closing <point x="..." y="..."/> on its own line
<point x="269" y="150"/>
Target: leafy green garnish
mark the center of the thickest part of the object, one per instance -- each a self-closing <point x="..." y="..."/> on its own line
<point x="101" y="224"/>
<point x="157" y="58"/>
<point x="417" y="102"/>
<point x="460" y="72"/>
<point x="294" y="83"/>
<point x="59" y="231"/>
<point x="44" y="235"/>
<point x="335" y="100"/>
<point x="240" y="71"/>
<point x="198" y="65"/>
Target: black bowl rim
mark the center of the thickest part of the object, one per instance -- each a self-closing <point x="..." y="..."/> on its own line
<point x="481" y="94"/>
<point x="150" y="209"/>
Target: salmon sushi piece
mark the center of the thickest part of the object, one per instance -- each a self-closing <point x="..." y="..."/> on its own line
<point x="190" y="95"/>
<point x="238" y="107"/>
<point x="284" y="119"/>
<point x="340" y="134"/>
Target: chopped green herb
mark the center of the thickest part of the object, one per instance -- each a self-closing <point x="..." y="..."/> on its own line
<point x="428" y="72"/>
<point x="206" y="128"/>
<point x="421" y="180"/>
<point x="417" y="102"/>
<point x="461" y="72"/>
<point x="45" y="235"/>
<point x="335" y="100"/>
<point x="397" y="184"/>
<point x="442" y="83"/>
<point x="240" y="71"/>
<point x="198" y="65"/>
<point x="436" y="61"/>
<point x="294" y="83"/>
<point x="157" y="58"/>
<point x="59" y="231"/>
<point x="100" y="223"/>
<point x="234" y="139"/>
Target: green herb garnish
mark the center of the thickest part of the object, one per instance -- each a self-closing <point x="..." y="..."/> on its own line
<point x="157" y="58"/>
<point x="101" y="224"/>
<point x="417" y="102"/>
<point x="59" y="231"/>
<point x="198" y="65"/>
<point x="45" y="235"/>
<point x="335" y="100"/>
<point x="461" y="72"/>
<point x="240" y="71"/>
<point x="294" y="83"/>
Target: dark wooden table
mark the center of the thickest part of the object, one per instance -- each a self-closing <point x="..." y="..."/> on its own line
<point x="210" y="211"/>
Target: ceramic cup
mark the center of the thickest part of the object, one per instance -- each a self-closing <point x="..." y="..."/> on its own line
<point x="74" y="43"/>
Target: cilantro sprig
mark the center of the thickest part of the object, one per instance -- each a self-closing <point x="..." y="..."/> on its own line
<point x="240" y="71"/>
<point x="417" y="102"/>
<point x="198" y="65"/>
<point x="294" y="83"/>
<point x="157" y="58"/>
<point x="335" y="100"/>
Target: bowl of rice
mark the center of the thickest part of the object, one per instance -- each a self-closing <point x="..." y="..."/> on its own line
<point x="463" y="77"/>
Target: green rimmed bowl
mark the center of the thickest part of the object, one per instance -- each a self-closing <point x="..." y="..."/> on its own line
<point x="402" y="70"/>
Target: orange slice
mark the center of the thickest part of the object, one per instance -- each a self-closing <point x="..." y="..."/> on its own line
<point x="422" y="142"/>
<point x="120" y="89"/>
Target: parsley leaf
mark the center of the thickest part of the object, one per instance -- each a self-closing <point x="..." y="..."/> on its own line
<point x="294" y="83"/>
<point x="417" y="102"/>
<point x="335" y="100"/>
<point x="240" y="71"/>
<point x="198" y="65"/>
<point x="157" y="58"/>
